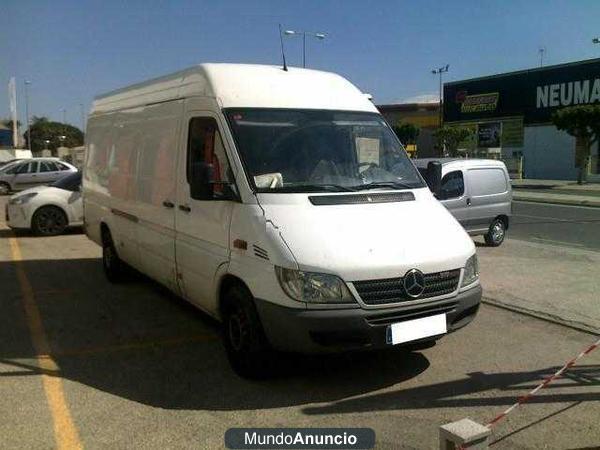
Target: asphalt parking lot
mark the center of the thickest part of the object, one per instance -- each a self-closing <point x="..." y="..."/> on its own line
<point x="87" y="364"/>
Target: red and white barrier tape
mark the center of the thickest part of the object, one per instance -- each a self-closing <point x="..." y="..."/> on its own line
<point x="545" y="383"/>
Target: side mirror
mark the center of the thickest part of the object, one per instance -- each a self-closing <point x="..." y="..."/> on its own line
<point x="434" y="177"/>
<point x="201" y="186"/>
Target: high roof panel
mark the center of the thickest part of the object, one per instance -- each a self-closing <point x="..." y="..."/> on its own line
<point x="243" y="85"/>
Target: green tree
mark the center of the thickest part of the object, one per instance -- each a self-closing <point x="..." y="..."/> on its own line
<point x="43" y="130"/>
<point x="449" y="138"/>
<point x="583" y="123"/>
<point x="407" y="132"/>
<point x="8" y="123"/>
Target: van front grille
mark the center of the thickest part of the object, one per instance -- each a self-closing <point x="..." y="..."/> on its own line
<point x="391" y="290"/>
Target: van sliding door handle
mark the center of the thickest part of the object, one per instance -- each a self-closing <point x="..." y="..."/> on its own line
<point x="468" y="202"/>
<point x="185" y="208"/>
<point x="168" y="204"/>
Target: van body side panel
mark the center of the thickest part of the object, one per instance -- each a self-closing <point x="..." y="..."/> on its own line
<point x="156" y="194"/>
<point x="95" y="175"/>
<point x="126" y="142"/>
<point x="109" y="176"/>
<point x="490" y="194"/>
<point x="265" y="249"/>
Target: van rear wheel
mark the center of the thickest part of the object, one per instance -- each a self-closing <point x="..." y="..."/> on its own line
<point x="496" y="233"/>
<point x="247" y="348"/>
<point x="114" y="267"/>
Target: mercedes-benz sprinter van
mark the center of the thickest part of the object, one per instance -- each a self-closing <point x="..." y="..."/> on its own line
<point x="279" y="202"/>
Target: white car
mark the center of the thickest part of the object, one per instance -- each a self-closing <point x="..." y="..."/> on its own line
<point x="47" y="210"/>
<point x="25" y="174"/>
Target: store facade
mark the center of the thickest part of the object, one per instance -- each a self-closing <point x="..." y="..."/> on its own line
<point x="511" y="116"/>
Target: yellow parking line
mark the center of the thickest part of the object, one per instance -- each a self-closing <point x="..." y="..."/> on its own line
<point x="65" y="433"/>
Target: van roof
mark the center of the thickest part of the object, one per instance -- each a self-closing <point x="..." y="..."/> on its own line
<point x="243" y="85"/>
<point x="462" y="162"/>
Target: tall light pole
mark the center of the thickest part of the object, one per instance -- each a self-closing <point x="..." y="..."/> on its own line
<point x="27" y="83"/>
<point x="82" y="117"/>
<point x="319" y="36"/>
<point x="542" y="51"/>
<point x="439" y="71"/>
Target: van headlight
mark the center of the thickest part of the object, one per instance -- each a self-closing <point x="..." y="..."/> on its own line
<point x="471" y="274"/>
<point x="313" y="287"/>
<point x="22" y="199"/>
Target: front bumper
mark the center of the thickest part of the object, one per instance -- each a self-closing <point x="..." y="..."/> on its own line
<point x="331" y="330"/>
<point x="16" y="216"/>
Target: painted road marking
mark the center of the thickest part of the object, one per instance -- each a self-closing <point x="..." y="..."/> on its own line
<point x="552" y="241"/>
<point x="556" y="205"/>
<point x="65" y="432"/>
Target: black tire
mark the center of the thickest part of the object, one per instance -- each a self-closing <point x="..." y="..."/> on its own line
<point x="114" y="268"/>
<point x="496" y="233"/>
<point x="247" y="348"/>
<point x="4" y="188"/>
<point x="49" y="221"/>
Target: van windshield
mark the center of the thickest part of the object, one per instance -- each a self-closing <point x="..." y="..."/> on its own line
<point x="286" y="150"/>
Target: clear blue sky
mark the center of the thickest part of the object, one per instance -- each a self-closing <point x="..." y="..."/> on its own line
<point x="72" y="50"/>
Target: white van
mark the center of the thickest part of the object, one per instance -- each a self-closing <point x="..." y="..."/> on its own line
<point x="279" y="202"/>
<point x="478" y="194"/>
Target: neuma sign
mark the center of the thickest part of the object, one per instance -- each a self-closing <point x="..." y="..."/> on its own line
<point x="532" y="94"/>
<point x="568" y="94"/>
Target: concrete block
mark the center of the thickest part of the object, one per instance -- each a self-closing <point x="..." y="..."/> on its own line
<point x="464" y="434"/>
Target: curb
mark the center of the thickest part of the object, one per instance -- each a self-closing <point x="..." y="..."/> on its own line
<point x="574" y="325"/>
<point x="590" y="203"/>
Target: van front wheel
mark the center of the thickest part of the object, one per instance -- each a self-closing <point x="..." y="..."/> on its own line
<point x="246" y="345"/>
<point x="496" y="233"/>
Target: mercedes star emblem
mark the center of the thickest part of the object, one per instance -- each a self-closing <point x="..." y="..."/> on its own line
<point x="414" y="283"/>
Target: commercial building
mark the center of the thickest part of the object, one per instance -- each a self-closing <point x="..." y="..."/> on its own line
<point x="426" y="116"/>
<point x="511" y="116"/>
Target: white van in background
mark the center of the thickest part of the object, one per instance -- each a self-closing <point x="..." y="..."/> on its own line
<point x="279" y="202"/>
<point x="478" y="193"/>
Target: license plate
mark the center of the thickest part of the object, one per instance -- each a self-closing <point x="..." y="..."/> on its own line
<point x="411" y="330"/>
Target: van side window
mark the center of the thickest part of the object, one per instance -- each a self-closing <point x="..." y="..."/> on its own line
<point x="206" y="146"/>
<point x="453" y="185"/>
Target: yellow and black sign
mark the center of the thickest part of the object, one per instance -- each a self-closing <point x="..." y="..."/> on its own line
<point x="480" y="102"/>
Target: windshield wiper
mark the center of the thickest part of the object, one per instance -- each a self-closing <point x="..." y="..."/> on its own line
<point x="310" y="188"/>
<point x="383" y="184"/>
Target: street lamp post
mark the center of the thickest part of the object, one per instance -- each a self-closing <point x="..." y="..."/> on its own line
<point x="319" y="36"/>
<point x="439" y="71"/>
<point x="27" y="83"/>
<point x="82" y="117"/>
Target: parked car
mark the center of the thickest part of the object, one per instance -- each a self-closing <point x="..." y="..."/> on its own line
<point x="478" y="193"/>
<point x="33" y="172"/>
<point x="8" y="162"/>
<point x="279" y="202"/>
<point x="47" y="210"/>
